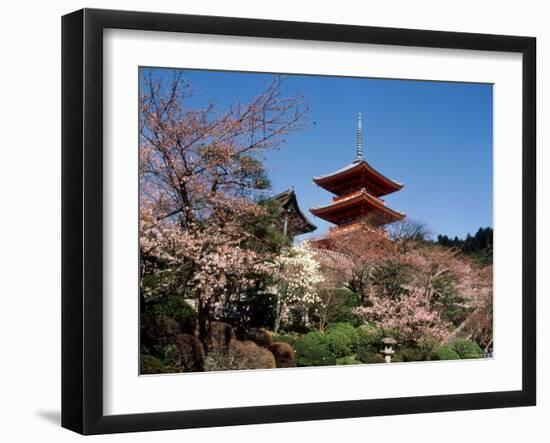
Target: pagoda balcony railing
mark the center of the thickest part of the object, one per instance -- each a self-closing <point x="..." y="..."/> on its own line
<point x="352" y="226"/>
<point x="345" y="197"/>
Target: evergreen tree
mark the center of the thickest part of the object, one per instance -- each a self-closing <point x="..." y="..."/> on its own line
<point x="479" y="245"/>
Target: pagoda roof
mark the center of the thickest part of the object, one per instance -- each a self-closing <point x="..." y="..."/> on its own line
<point x="333" y="182"/>
<point x="356" y="200"/>
<point x="288" y="199"/>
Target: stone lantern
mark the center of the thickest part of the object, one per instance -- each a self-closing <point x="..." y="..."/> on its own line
<point x="387" y="352"/>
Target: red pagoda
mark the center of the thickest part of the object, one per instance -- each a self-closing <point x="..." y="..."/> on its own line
<point x="358" y="189"/>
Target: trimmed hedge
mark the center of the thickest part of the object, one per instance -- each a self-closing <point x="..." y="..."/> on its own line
<point x="409" y="353"/>
<point x="445" y="353"/>
<point x="466" y="348"/>
<point x="284" y="355"/>
<point x="348" y="330"/>
<point x="340" y="343"/>
<point x="312" y="350"/>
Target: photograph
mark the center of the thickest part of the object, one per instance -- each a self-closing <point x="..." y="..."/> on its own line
<point x="293" y="221"/>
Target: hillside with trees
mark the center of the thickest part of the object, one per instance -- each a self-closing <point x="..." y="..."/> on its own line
<point x="479" y="245"/>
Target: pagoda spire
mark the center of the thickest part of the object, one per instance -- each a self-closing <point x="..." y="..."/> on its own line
<point x="359" y="138"/>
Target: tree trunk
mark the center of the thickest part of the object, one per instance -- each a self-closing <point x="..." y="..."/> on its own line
<point x="324" y="312"/>
<point x="279" y="316"/>
<point x="202" y="323"/>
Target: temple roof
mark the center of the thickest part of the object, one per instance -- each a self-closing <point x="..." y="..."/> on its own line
<point x="359" y="201"/>
<point x="361" y="175"/>
<point x="289" y="202"/>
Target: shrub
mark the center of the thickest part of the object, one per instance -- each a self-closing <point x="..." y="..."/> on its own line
<point x="189" y="353"/>
<point x="466" y="348"/>
<point x="445" y="353"/>
<point x="312" y="350"/>
<point x="284" y="355"/>
<point x="340" y="344"/>
<point x="350" y="360"/>
<point x="376" y="358"/>
<point x="253" y="356"/>
<point x="239" y="355"/>
<point x="259" y="336"/>
<point x="366" y="351"/>
<point x="219" y="336"/>
<point x="311" y="338"/>
<point x="285" y="339"/>
<point x="157" y="332"/>
<point x="173" y="306"/>
<point x="369" y="334"/>
<point x="222" y="360"/>
<point x="182" y="312"/>
<point x="152" y="365"/>
<point x="396" y="358"/>
<point x="409" y="353"/>
<point x="161" y="321"/>
<point x="348" y="330"/>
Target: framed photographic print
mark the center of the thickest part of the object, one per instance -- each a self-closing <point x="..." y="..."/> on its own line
<point x="270" y="221"/>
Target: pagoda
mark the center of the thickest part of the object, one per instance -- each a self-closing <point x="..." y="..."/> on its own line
<point x="358" y="189"/>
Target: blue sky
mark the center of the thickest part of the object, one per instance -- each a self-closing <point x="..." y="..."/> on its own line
<point x="435" y="137"/>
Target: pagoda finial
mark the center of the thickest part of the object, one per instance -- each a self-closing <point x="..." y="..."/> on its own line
<point x="359" y="138"/>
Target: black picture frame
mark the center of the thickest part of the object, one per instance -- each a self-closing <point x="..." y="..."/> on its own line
<point x="82" y="215"/>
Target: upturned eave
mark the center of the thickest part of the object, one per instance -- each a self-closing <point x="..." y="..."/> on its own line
<point x="355" y="200"/>
<point x="331" y="181"/>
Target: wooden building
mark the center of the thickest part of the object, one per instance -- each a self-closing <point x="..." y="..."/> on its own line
<point x="293" y="222"/>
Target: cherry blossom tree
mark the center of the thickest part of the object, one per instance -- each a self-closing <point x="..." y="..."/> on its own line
<point x="478" y="325"/>
<point x="410" y="315"/>
<point x="298" y="275"/>
<point x="200" y="170"/>
<point x="352" y="258"/>
<point x="195" y="162"/>
<point x="360" y="257"/>
<point x="432" y="262"/>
